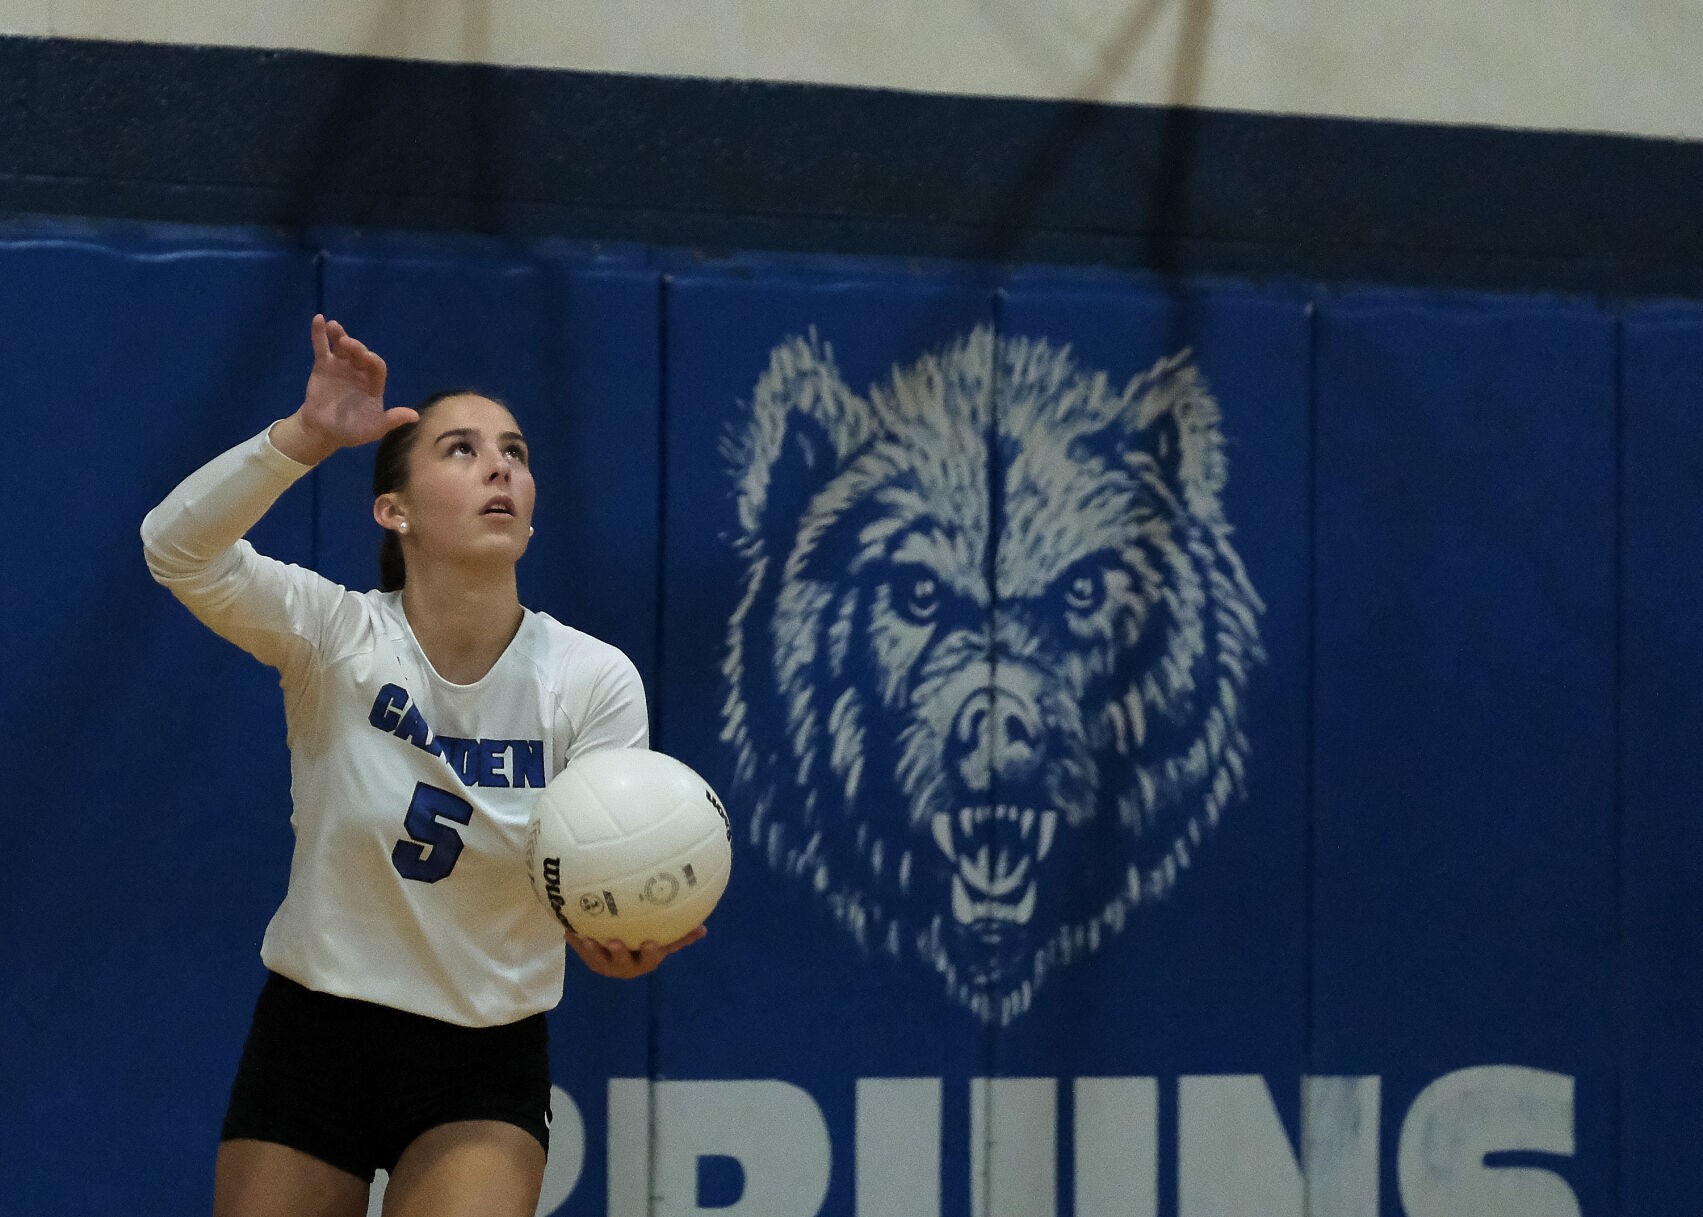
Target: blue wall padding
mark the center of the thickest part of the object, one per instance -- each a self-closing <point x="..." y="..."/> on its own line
<point x="721" y="331"/>
<point x="1461" y="834"/>
<point x="147" y="813"/>
<point x="1661" y="762"/>
<point x="1463" y="811"/>
<point x="1168" y="973"/>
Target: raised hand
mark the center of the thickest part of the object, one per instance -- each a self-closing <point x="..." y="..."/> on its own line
<point x="344" y="403"/>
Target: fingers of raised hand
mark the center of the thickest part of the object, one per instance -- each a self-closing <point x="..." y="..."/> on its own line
<point x="398" y="416"/>
<point x="335" y="350"/>
<point x="374" y="369"/>
<point x="366" y="365"/>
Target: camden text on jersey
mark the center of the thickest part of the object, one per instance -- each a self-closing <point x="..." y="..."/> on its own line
<point x="477" y="762"/>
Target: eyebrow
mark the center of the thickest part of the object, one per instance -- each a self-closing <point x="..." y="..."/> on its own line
<point x="464" y="432"/>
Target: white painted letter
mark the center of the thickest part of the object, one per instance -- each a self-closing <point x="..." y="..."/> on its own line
<point x="1463" y="1116"/>
<point x="1339" y="1146"/>
<point x="1013" y="1135"/>
<point x="898" y="1147"/>
<point x="772" y="1129"/>
<point x="1117" y="1147"/>
<point x="628" y="1148"/>
<point x="1233" y="1157"/>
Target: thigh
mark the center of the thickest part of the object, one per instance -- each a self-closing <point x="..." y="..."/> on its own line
<point x="263" y="1179"/>
<point x="470" y="1168"/>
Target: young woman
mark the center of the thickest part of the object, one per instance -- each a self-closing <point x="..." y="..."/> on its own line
<point x="402" y="1024"/>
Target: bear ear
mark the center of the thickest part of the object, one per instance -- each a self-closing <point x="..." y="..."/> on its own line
<point x="1140" y="423"/>
<point x="1164" y="440"/>
<point x="803" y="421"/>
<point x="805" y="461"/>
<point x="1178" y="423"/>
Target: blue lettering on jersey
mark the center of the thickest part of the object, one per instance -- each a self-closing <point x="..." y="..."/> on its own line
<point x="477" y="762"/>
<point x="530" y="770"/>
<point x="413" y="728"/>
<point x="493" y="758"/>
<point x="385" y="713"/>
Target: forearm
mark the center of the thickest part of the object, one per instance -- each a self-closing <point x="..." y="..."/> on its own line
<point x="215" y="506"/>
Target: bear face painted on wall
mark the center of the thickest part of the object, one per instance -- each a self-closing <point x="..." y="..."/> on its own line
<point x="985" y="680"/>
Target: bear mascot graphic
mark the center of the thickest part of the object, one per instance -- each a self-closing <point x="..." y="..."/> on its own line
<point x="984" y="683"/>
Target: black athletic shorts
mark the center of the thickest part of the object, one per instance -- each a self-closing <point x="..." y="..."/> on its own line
<point x="353" y="1083"/>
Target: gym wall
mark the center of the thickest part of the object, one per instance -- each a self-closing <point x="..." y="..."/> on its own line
<point x="1404" y="783"/>
<point x="1540" y="64"/>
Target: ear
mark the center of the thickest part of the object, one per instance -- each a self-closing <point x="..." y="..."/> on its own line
<point x="387" y="510"/>
<point x="1164" y="441"/>
<point x="1178" y="422"/>
<point x="805" y="462"/>
<point x="804" y="423"/>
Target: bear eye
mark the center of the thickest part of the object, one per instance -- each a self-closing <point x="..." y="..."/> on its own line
<point x="1085" y="591"/>
<point x="916" y="595"/>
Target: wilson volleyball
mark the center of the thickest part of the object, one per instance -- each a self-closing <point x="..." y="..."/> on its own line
<point x="627" y="845"/>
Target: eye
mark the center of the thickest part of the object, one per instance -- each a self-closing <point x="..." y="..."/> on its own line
<point x="517" y="452"/>
<point x="1085" y="590"/>
<point x="916" y="595"/>
<point x="459" y="446"/>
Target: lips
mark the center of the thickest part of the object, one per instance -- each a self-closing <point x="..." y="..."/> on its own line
<point x="501" y="505"/>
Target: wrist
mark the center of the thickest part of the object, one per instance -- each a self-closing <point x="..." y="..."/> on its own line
<point x="296" y="440"/>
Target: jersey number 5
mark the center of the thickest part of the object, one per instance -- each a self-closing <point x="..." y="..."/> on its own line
<point x="435" y="847"/>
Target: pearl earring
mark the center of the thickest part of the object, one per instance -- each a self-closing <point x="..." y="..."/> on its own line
<point x="402" y="527"/>
<point x="530" y="530"/>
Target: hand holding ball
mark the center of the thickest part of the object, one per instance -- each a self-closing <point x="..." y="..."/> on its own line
<point x="628" y="845"/>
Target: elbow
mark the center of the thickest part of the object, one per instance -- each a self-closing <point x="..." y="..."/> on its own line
<point x="163" y="564"/>
<point x="150" y="544"/>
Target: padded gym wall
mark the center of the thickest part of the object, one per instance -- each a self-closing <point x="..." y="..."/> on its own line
<point x="1353" y="881"/>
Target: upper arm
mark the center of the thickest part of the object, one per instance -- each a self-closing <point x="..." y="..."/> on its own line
<point x="615" y="714"/>
<point x="277" y="612"/>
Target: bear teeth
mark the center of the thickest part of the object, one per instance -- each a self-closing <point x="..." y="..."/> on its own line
<point x="946" y="833"/>
<point x="967" y="910"/>
<point x="995" y="879"/>
<point x="942" y="825"/>
<point x="1049" y="828"/>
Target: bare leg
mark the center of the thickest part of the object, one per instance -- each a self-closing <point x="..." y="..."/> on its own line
<point x="261" y="1179"/>
<point x="471" y="1168"/>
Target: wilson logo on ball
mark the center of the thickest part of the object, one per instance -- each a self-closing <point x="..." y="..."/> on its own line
<point x="553" y="888"/>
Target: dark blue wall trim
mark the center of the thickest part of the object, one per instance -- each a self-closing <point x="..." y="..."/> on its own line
<point x="290" y="139"/>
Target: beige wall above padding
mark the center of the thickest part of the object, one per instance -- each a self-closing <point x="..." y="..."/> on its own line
<point x="1627" y="67"/>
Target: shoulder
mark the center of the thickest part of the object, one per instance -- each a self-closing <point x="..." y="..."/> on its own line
<point x="562" y="653"/>
<point x="361" y="620"/>
<point x="596" y="689"/>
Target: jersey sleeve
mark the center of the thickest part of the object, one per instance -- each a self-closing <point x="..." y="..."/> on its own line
<point x="194" y="547"/>
<point x="616" y="715"/>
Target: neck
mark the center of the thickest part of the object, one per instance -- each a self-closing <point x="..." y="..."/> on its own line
<point x="463" y="620"/>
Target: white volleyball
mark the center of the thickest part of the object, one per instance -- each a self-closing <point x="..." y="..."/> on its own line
<point x="628" y="845"/>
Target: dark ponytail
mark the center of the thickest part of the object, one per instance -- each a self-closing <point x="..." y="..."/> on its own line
<point x="390" y="473"/>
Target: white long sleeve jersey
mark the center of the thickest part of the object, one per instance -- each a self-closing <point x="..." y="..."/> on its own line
<point x="411" y="795"/>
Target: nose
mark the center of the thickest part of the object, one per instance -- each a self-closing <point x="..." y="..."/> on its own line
<point x="998" y="735"/>
<point x="503" y="470"/>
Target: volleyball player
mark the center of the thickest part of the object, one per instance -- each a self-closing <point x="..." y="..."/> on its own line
<point x="409" y="966"/>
